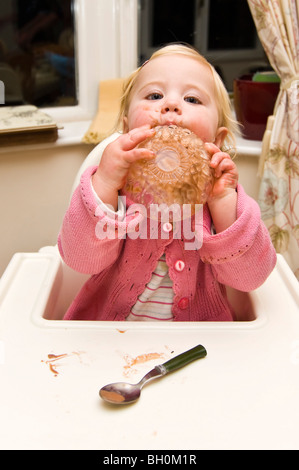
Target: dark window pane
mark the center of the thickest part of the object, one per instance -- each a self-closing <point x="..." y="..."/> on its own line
<point x="174" y="20"/>
<point x="37" y="56"/>
<point x="230" y="25"/>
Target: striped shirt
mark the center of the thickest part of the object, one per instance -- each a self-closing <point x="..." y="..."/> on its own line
<point x="155" y="302"/>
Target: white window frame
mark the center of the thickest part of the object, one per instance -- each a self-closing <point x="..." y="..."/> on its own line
<point x="106" y="38"/>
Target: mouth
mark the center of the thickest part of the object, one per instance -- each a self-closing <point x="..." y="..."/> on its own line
<point x="171" y="122"/>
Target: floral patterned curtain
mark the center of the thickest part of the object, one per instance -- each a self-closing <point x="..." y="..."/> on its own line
<point x="278" y="29"/>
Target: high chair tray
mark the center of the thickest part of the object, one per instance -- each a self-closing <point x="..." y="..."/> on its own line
<point x="243" y="395"/>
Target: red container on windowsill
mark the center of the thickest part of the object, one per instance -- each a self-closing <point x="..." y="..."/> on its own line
<point x="254" y="102"/>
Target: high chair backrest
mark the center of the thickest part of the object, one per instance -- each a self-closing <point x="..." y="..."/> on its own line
<point x="94" y="157"/>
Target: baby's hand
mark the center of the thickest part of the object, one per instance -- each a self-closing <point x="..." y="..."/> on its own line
<point x="222" y="200"/>
<point x="117" y="157"/>
<point x="225" y="172"/>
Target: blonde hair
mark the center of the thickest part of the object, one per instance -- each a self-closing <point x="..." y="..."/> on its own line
<point x="222" y="98"/>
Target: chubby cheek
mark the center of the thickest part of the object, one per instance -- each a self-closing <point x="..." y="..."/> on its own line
<point x="141" y="116"/>
<point x="204" y="130"/>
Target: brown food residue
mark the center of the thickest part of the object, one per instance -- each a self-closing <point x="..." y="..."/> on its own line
<point x="141" y="359"/>
<point x="112" y="396"/>
<point x="55" y="358"/>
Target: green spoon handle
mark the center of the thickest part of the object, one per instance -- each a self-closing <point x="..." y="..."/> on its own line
<point x="183" y="359"/>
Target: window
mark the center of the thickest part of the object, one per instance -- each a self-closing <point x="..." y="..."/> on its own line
<point x="37" y="52"/>
<point x="236" y="32"/>
<point x="108" y="39"/>
<point x="173" y="24"/>
<point x="105" y="47"/>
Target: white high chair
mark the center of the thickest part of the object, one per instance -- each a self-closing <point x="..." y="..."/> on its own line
<point x="65" y="282"/>
<point x="70" y="281"/>
<point x="244" y="395"/>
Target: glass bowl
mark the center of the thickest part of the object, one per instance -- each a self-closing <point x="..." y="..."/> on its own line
<point x="180" y="174"/>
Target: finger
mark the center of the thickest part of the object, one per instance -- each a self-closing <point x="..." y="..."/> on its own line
<point x="137" y="130"/>
<point x="139" y="154"/>
<point x="218" y="157"/>
<point x="135" y="137"/>
<point x="211" y="148"/>
<point x="225" y="166"/>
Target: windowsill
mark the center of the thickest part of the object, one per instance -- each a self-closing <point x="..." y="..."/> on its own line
<point x="250" y="148"/>
<point x="69" y="133"/>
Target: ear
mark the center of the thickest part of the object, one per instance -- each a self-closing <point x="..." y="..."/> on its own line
<point x="125" y="125"/>
<point x="220" y="136"/>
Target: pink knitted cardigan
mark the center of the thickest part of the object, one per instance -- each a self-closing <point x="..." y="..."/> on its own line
<point x="241" y="257"/>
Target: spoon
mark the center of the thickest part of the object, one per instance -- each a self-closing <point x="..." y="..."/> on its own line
<point x="121" y="393"/>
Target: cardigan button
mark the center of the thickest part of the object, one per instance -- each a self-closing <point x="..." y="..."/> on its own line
<point x="167" y="227"/>
<point x="179" y="265"/>
<point x="183" y="303"/>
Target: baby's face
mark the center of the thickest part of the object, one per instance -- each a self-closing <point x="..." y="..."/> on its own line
<point x="176" y="90"/>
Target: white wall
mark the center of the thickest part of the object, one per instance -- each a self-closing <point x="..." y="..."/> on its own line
<point x="35" y="187"/>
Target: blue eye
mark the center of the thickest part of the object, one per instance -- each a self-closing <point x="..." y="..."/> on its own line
<point x="192" y="99"/>
<point x="154" y="96"/>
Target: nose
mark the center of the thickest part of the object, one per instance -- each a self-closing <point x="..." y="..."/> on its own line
<point x="171" y="105"/>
